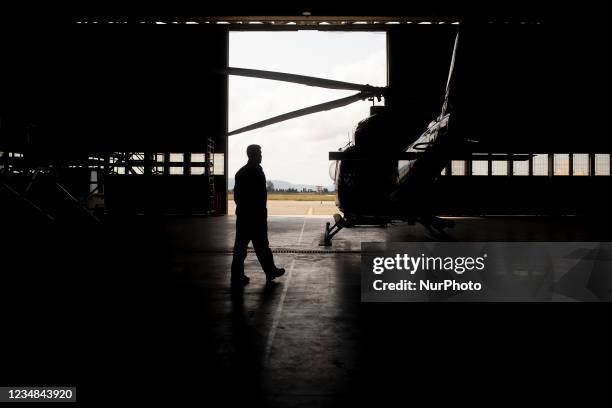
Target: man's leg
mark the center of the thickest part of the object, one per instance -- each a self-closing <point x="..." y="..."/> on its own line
<point x="262" y="250"/>
<point x="240" y="249"/>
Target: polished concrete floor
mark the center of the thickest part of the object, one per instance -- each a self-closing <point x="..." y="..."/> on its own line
<point x="147" y="311"/>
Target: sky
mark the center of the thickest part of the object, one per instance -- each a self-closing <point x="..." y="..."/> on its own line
<point x="297" y="150"/>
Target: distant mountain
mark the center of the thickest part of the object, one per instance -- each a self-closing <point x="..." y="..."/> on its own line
<point x="284" y="185"/>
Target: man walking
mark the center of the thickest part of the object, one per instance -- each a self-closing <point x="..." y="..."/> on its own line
<point x="250" y="195"/>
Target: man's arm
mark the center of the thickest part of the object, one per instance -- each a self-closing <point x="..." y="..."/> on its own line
<point x="262" y="189"/>
<point x="238" y="190"/>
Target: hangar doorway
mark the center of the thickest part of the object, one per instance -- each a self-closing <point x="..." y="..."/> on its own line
<point x="295" y="152"/>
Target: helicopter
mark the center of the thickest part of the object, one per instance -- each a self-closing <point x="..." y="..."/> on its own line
<point x="383" y="175"/>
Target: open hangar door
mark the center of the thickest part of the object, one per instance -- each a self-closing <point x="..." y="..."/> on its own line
<point x="519" y="89"/>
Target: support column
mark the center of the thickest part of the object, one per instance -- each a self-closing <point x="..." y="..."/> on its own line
<point x="551" y="164"/>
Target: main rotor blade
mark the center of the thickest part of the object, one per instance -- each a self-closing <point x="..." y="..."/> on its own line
<point x="301" y="112"/>
<point x="298" y="79"/>
<point x="450" y="76"/>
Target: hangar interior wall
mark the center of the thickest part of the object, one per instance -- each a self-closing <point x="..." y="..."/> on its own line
<point x="145" y="102"/>
<point x="515" y="89"/>
<point x="140" y="104"/>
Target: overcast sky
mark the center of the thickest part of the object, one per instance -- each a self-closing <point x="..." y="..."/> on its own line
<point x="297" y="150"/>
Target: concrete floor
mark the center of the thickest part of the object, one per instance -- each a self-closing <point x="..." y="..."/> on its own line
<point x="307" y="340"/>
<point x="140" y="311"/>
<point x="298" y="335"/>
<point x="304" y="232"/>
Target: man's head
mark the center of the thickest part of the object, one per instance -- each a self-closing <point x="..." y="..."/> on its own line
<point x="254" y="153"/>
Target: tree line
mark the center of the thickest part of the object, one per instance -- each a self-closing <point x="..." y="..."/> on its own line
<point x="271" y="189"/>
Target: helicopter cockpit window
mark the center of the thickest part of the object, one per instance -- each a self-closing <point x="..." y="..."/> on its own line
<point x="333" y="170"/>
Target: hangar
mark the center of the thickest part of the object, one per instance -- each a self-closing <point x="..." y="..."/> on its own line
<point x="114" y="189"/>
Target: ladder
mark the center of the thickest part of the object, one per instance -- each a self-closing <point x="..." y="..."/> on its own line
<point x="210" y="174"/>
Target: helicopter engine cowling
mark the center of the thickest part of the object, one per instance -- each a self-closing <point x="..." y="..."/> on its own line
<point x="363" y="186"/>
<point x="381" y="131"/>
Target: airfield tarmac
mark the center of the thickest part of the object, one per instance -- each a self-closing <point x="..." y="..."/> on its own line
<point x="294" y="207"/>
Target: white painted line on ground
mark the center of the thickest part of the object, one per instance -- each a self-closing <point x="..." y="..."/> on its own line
<point x="279" y="308"/>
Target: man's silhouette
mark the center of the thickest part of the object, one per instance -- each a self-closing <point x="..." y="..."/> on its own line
<point x="250" y="195"/>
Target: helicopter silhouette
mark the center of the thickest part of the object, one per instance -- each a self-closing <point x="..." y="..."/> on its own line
<point x="384" y="175"/>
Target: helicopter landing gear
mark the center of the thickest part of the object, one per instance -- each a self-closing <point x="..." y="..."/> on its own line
<point x="329" y="233"/>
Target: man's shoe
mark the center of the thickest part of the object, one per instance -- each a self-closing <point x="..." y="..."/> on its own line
<point x="240" y="280"/>
<point x="275" y="274"/>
